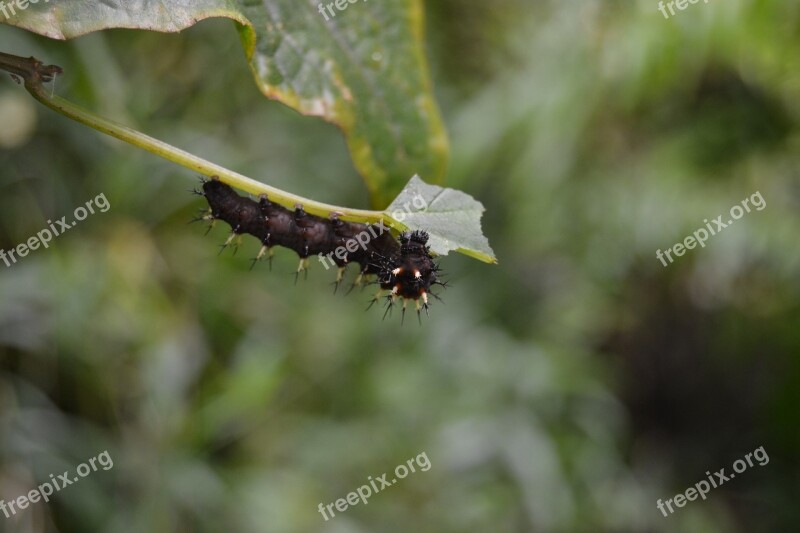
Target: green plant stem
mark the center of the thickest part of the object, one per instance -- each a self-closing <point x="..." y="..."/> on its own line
<point x="35" y="73"/>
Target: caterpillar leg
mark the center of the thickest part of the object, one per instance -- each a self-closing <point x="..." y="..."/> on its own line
<point x="204" y="214"/>
<point x="302" y="267"/>
<point x="358" y="282"/>
<point x="376" y="298"/>
<point x="339" y="278"/>
<point x="391" y="299"/>
<point x="419" y="308"/>
<point x="389" y="305"/>
<point x="211" y="226"/>
<point x="235" y="239"/>
<point x="265" y="250"/>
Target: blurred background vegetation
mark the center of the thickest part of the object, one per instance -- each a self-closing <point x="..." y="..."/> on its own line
<point x="566" y="389"/>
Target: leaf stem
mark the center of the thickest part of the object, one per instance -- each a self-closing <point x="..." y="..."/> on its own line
<point x="35" y="73"/>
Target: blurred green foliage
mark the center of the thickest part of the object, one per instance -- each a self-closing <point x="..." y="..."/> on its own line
<point x="566" y="389"/>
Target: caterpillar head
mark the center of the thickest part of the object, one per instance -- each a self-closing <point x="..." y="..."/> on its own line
<point x="414" y="272"/>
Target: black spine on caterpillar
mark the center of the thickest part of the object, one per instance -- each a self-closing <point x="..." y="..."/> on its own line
<point x="404" y="268"/>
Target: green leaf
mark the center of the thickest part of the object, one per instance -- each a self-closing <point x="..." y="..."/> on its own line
<point x="452" y="219"/>
<point x="363" y="70"/>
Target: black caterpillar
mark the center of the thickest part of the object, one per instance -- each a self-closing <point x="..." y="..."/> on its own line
<point x="406" y="268"/>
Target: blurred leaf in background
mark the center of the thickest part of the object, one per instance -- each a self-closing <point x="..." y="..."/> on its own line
<point x="365" y="72"/>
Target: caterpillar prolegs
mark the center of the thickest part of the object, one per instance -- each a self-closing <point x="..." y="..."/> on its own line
<point x="404" y="268"/>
